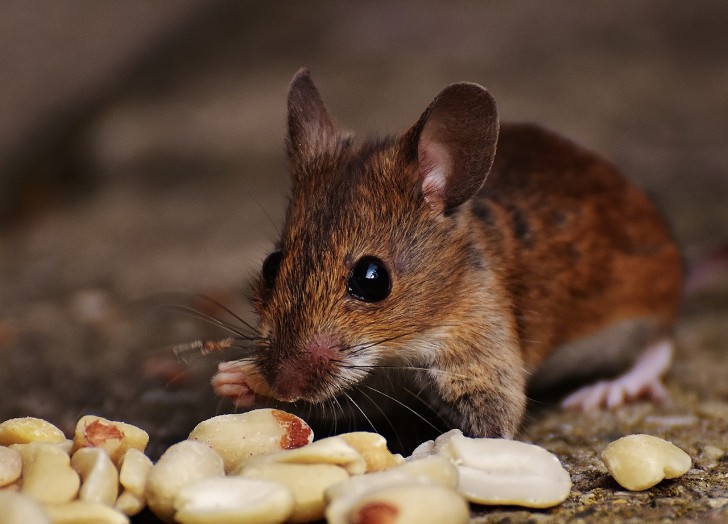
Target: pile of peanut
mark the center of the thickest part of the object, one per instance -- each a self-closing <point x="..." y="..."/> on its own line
<point x="262" y="466"/>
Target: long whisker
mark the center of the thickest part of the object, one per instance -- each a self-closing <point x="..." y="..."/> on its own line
<point x="418" y="397"/>
<point x="384" y="414"/>
<point x="228" y="311"/>
<point x="407" y="368"/>
<point x="357" y="348"/>
<point x="329" y="405"/>
<point x="212" y="320"/>
<point x="405" y="406"/>
<point x="356" y="405"/>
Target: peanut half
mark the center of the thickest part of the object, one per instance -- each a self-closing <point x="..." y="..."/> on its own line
<point x="84" y="512"/>
<point x="111" y="436"/>
<point x="639" y="462"/>
<point x="307" y="483"/>
<point x="133" y="473"/>
<point x="237" y="437"/>
<point x="331" y="450"/>
<point x="431" y="470"/>
<point x="99" y="477"/>
<point x="47" y="473"/>
<point x="230" y="500"/>
<point x="11" y="466"/>
<point x="18" y="508"/>
<point x="130" y="504"/>
<point x="182" y="464"/>
<point x="373" y="448"/>
<point x="28" y="429"/>
<point x="408" y="503"/>
<point x="501" y="471"/>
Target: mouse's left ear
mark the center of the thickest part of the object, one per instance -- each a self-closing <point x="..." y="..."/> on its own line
<point x="310" y="128"/>
<point x="453" y="144"/>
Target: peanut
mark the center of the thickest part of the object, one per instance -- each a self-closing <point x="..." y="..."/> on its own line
<point x="18" y="508"/>
<point x="501" y="471"/>
<point x="331" y="450"/>
<point x="47" y="473"/>
<point x="11" y="466"/>
<point x="182" y="464"/>
<point x="28" y="429"/>
<point x="99" y="477"/>
<point x="228" y="500"/>
<point x="237" y="437"/>
<point x="83" y="512"/>
<point x="111" y="436"/>
<point x="432" y="470"/>
<point x="133" y="472"/>
<point x="639" y="462"/>
<point x="307" y="483"/>
<point x="373" y="448"/>
<point x="130" y="504"/>
<point x="409" y="503"/>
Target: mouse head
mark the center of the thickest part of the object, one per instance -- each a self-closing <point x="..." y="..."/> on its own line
<point x="375" y="247"/>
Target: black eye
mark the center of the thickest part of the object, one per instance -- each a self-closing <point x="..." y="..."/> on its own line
<point x="270" y="268"/>
<point x="369" y="280"/>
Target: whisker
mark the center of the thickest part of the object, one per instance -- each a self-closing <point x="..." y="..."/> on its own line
<point x="356" y="405"/>
<point x="336" y="406"/>
<point x="227" y="326"/>
<point x="227" y="310"/>
<point x="418" y="397"/>
<point x="405" y="406"/>
<point x="386" y="418"/>
<point x="357" y="348"/>
<point x="404" y="368"/>
<point x="326" y="406"/>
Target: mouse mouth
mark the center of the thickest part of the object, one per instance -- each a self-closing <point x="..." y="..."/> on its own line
<point x="311" y="388"/>
<point x="312" y="374"/>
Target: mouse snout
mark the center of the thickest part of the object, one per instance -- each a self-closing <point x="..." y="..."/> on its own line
<point x="306" y="373"/>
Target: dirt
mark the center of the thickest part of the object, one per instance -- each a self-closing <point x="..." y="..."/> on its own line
<point x="188" y="186"/>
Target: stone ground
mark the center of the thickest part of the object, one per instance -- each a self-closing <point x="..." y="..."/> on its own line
<point x="183" y="182"/>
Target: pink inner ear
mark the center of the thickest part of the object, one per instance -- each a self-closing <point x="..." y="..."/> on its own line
<point x="435" y="168"/>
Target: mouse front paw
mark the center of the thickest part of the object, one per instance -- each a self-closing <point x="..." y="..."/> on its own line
<point x="238" y="381"/>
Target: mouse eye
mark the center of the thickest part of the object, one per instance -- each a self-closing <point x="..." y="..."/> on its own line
<point x="369" y="280"/>
<point x="271" y="264"/>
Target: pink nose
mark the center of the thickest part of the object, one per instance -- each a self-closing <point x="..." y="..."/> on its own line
<point x="304" y="374"/>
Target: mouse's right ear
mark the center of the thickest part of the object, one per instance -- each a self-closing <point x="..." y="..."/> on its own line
<point x="310" y="128"/>
<point x="453" y="145"/>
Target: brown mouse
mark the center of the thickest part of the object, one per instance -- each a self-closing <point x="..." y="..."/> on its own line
<point x="483" y="258"/>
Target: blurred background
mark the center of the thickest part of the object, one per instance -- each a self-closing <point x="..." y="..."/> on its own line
<point x="141" y="152"/>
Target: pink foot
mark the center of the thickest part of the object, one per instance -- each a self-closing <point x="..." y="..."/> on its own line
<point x="641" y="381"/>
<point x="230" y="381"/>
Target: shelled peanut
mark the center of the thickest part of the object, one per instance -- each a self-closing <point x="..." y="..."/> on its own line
<point x="262" y="466"/>
<point x="62" y="481"/>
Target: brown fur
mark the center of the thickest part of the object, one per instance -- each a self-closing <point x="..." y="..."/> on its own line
<point x="485" y="282"/>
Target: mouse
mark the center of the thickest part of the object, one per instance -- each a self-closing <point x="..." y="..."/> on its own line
<point x="482" y="260"/>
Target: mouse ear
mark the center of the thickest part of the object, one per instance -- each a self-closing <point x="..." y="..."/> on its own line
<point x="310" y="128"/>
<point x="453" y="144"/>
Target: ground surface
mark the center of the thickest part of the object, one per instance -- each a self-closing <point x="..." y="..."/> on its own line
<point x="186" y="183"/>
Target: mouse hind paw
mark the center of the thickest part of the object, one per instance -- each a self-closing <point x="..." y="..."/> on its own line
<point x="642" y="381"/>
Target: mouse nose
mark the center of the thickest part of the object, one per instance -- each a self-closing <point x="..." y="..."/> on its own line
<point x="288" y="388"/>
<point x="304" y="374"/>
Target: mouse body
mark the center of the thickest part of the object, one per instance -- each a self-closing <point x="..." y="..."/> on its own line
<point x="480" y="259"/>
